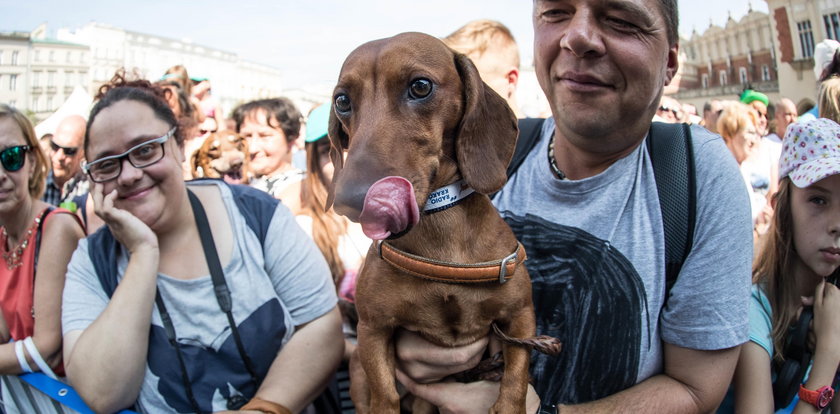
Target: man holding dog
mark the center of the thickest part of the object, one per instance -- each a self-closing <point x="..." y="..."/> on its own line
<point x="589" y="217"/>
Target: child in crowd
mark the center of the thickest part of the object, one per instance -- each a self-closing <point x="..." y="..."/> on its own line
<point x="797" y="265"/>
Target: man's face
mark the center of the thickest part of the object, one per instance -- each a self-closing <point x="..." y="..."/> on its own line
<point x="66" y="149"/>
<point x="785" y="115"/>
<point x="602" y="64"/>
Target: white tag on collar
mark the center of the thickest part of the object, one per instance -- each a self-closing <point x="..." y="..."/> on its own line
<point x="447" y="196"/>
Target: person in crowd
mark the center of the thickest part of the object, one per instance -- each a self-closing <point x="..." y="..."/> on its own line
<point x="179" y="75"/>
<point x="271" y="126"/>
<point x="342" y="242"/>
<point x="829" y="99"/>
<point x="669" y="110"/>
<point x="37" y="238"/>
<point x="690" y="113"/>
<point x="758" y="101"/>
<point x="784" y="115"/>
<point x="738" y="125"/>
<point x="589" y="219"/>
<point x="66" y="179"/>
<point x="826" y="65"/>
<point x="711" y="111"/>
<point x="799" y="260"/>
<point x="493" y="49"/>
<point x="145" y="325"/>
<point x="207" y="103"/>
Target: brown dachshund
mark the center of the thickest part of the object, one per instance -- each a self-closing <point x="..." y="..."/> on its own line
<point x="224" y="155"/>
<point x="421" y="130"/>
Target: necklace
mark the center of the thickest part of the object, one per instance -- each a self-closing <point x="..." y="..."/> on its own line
<point x="14" y="255"/>
<point x="557" y="173"/>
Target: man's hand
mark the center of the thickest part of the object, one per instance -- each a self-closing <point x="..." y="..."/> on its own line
<point x="425" y="362"/>
<point x="457" y="398"/>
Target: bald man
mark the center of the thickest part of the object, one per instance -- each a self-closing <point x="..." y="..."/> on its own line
<point x="785" y="115"/>
<point x="66" y="179"/>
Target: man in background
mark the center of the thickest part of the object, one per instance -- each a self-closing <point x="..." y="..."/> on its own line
<point x="66" y="179"/>
<point x="493" y="50"/>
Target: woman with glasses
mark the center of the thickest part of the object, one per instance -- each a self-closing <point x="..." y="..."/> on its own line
<point x="183" y="303"/>
<point x="37" y="243"/>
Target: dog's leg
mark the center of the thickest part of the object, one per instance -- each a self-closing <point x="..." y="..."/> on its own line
<point x="376" y="354"/>
<point x="359" y="389"/>
<point x="514" y="384"/>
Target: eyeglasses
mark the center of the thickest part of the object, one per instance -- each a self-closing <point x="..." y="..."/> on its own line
<point x="68" y="151"/>
<point x="140" y="156"/>
<point x="13" y="158"/>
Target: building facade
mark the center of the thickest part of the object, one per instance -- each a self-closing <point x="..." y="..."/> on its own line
<point x="233" y="79"/>
<point x="798" y="25"/>
<point x="14" y="61"/>
<point x="723" y="61"/>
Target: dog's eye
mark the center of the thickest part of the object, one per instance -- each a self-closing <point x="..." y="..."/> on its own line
<point x="420" y="88"/>
<point x="342" y="103"/>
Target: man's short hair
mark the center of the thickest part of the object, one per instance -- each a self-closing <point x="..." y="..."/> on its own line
<point x="479" y="36"/>
<point x="672" y="19"/>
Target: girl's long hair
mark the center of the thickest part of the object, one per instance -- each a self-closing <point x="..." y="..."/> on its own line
<point x="773" y="269"/>
<point x="327" y="226"/>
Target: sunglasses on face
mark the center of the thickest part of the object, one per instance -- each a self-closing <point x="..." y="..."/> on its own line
<point x="668" y="109"/>
<point x="68" y="151"/>
<point x="13" y="158"/>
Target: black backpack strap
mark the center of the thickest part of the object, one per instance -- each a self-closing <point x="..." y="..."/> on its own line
<point x="672" y="156"/>
<point x="102" y="250"/>
<point x="529" y="134"/>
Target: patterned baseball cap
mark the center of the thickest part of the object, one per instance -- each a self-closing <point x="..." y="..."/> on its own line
<point x="810" y="152"/>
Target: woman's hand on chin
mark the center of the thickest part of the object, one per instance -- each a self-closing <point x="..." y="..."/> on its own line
<point x="130" y="231"/>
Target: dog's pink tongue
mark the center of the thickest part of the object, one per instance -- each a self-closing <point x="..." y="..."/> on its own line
<point x="390" y="208"/>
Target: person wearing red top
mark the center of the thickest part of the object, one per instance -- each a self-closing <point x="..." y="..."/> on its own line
<point x="31" y="306"/>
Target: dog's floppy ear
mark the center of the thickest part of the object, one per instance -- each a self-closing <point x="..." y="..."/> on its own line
<point x="488" y="132"/>
<point x="338" y="140"/>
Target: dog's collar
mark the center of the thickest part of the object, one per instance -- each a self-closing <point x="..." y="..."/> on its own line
<point x="495" y="271"/>
<point x="447" y="196"/>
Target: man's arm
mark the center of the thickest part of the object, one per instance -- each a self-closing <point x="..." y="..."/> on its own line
<point x="693" y="382"/>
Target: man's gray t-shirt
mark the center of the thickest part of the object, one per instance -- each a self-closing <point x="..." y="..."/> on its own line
<point x="596" y="258"/>
<point x="276" y="286"/>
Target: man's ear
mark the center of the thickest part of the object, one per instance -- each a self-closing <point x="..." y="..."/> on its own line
<point x="512" y="81"/>
<point x="673" y="63"/>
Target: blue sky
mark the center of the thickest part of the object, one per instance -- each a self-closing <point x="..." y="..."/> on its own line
<point x="308" y="40"/>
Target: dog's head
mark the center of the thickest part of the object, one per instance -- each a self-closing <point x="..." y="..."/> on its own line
<point x="413" y="116"/>
<point x="224" y="155"/>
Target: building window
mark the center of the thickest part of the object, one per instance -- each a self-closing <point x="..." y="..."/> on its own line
<point x="705" y="80"/>
<point x="36" y="56"/>
<point x="51" y="78"/>
<point x="1" y="57"/>
<point x="722" y="78"/>
<point x="36" y="79"/>
<point x="832" y="25"/>
<point x="742" y="75"/>
<point x="82" y="78"/>
<point x="69" y="56"/>
<point x="13" y="82"/>
<point x="14" y="58"/>
<point x="765" y="73"/>
<point x="49" y="103"/>
<point x="69" y="78"/>
<point x="806" y="38"/>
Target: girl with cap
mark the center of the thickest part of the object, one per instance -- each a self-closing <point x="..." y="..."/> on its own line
<point x="341" y="241"/>
<point x="797" y="266"/>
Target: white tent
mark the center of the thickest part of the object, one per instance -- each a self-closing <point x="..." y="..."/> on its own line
<point x="78" y="103"/>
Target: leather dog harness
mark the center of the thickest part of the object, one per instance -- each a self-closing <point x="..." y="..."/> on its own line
<point x="495" y="271"/>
